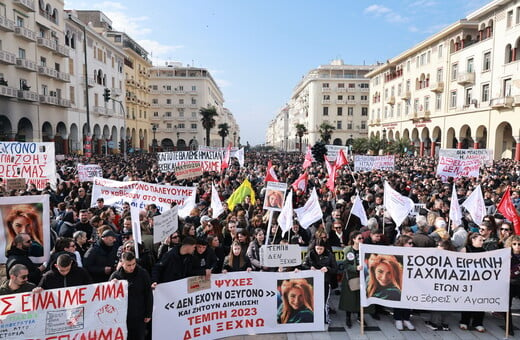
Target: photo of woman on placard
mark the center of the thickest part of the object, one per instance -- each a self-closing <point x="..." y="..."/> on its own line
<point x="274" y="199"/>
<point x="297" y="301"/>
<point x="24" y="218"/>
<point x="385" y="277"/>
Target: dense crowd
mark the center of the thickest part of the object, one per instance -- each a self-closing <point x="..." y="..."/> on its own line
<point x="93" y="242"/>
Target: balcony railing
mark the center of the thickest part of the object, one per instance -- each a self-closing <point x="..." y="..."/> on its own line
<point x="63" y="77"/>
<point x="406" y="95"/>
<point x="47" y="43"/>
<point x="28" y="95"/>
<point x="100" y="110"/>
<point x="7" y="91"/>
<point x="502" y="102"/>
<point x="50" y="100"/>
<point x="466" y="78"/>
<point x="26" y="64"/>
<point x="64" y="102"/>
<point x="91" y="82"/>
<point x="62" y="50"/>
<point x="47" y="71"/>
<point x="391" y="100"/>
<point x="26" y="4"/>
<point x="7" y="58"/>
<point x="6" y="24"/>
<point x="437" y="87"/>
<point x="25" y="33"/>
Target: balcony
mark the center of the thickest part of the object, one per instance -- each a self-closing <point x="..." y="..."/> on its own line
<point x="7" y="91"/>
<point x="64" y="102"/>
<point x="325" y="101"/>
<point x="179" y="91"/>
<point x="28" y="5"/>
<point x="341" y="102"/>
<point x="502" y="103"/>
<point x="65" y="77"/>
<point x="165" y="117"/>
<point x="516" y="100"/>
<point x="6" y="24"/>
<point x="28" y="95"/>
<point x="90" y="81"/>
<point x="391" y="100"/>
<point x="351" y="89"/>
<point x="325" y="89"/>
<point x="466" y="78"/>
<point x="194" y="106"/>
<point x="99" y="110"/>
<point x="364" y="89"/>
<point x="437" y="87"/>
<point x="62" y="50"/>
<point x="156" y="118"/>
<point x="168" y="92"/>
<point x="155" y="105"/>
<point x="7" y="57"/>
<point x="26" y="64"/>
<point x="341" y="89"/>
<point x="49" y="100"/>
<point x="351" y="102"/>
<point x="180" y="106"/>
<point x="46" y="71"/>
<point x="154" y="91"/>
<point x="406" y="95"/>
<point x="25" y="33"/>
<point x="168" y="106"/>
<point x="192" y="93"/>
<point x="46" y="43"/>
<point x="364" y="102"/>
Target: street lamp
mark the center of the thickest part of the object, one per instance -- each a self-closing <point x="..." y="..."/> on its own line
<point x="384" y="140"/>
<point x="234" y="138"/>
<point x="154" y="141"/>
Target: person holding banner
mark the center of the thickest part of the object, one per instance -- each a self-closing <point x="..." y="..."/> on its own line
<point x="475" y="244"/>
<point x="18" y="281"/>
<point x="297" y="302"/>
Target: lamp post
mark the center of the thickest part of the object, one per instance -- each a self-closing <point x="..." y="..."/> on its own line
<point x="235" y="138"/>
<point x="154" y="141"/>
<point x="384" y="140"/>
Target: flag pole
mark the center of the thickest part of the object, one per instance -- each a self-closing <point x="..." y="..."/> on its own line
<point x="269" y="227"/>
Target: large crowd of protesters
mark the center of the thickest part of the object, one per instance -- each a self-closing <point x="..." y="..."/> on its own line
<point x="93" y="242"/>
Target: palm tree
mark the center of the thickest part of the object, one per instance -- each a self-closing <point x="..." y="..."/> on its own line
<point x="325" y="130"/>
<point x="360" y="146"/>
<point x="223" y="131"/>
<point x="399" y="146"/>
<point x="300" y="131"/>
<point x="374" y="145"/>
<point x="208" y="120"/>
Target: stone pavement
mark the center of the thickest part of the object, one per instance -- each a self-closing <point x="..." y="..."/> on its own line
<point x="385" y="329"/>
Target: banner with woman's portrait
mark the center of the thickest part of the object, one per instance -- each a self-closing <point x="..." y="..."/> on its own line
<point x="275" y="196"/>
<point x="26" y="214"/>
<point x="435" y="279"/>
<point x="239" y="303"/>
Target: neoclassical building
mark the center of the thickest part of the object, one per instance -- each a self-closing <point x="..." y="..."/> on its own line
<point x="460" y="88"/>
<point x="337" y="94"/>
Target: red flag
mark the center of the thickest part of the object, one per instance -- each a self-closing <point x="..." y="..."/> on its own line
<point x="270" y="176"/>
<point x="332" y="178"/>
<point x="341" y="159"/>
<point x="225" y="161"/>
<point x="308" y="158"/>
<point x="301" y="183"/>
<point x="327" y="164"/>
<point x="507" y="209"/>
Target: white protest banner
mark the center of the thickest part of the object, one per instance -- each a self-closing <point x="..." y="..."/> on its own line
<point x="188" y="170"/>
<point x="457" y="168"/>
<point x="274" y="196"/>
<point x="333" y="150"/>
<point x="165" y="224"/>
<point x="369" y="163"/>
<point x="87" y="172"/>
<point x="139" y="194"/>
<point x="484" y="155"/>
<point x="26" y="214"/>
<point x="435" y="279"/>
<point x="280" y="255"/>
<point x="234" y="152"/>
<point x="238" y="303"/>
<point x="33" y="161"/>
<point x="210" y="160"/>
<point x="96" y="311"/>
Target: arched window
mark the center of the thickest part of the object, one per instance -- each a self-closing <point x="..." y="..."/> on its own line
<point x="67" y="38"/>
<point x="48" y="9"/>
<point x="508" y="53"/>
<point x="55" y="16"/>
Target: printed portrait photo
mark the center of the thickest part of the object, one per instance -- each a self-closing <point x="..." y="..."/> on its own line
<point x="384" y="276"/>
<point x="295" y="301"/>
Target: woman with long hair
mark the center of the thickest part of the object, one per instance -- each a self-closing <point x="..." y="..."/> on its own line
<point x="385" y="279"/>
<point x="25" y="218"/>
<point x="236" y="261"/>
<point x="253" y="251"/>
<point x="297" y="302"/>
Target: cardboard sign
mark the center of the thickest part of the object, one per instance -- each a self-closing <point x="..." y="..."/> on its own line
<point x="15" y="184"/>
<point x="165" y="224"/>
<point x="87" y="172"/>
<point x="280" y="255"/>
<point x="188" y="170"/>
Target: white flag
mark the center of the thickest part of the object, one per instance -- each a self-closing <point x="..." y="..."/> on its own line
<point x="397" y="205"/>
<point x="310" y="212"/>
<point x="285" y="219"/>
<point x="189" y="204"/>
<point x="359" y="211"/>
<point x="475" y="205"/>
<point x="239" y="154"/>
<point x="216" y="203"/>
<point x="455" y="213"/>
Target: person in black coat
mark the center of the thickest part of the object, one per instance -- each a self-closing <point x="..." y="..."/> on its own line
<point x="101" y="259"/>
<point x="176" y="264"/>
<point x="140" y="298"/>
<point x="19" y="254"/>
<point x="205" y="259"/>
<point x="65" y="273"/>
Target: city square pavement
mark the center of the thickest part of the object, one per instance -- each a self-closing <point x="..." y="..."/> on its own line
<point x="385" y="329"/>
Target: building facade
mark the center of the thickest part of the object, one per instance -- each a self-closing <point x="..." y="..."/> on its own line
<point x="336" y="94"/>
<point x="460" y="88"/>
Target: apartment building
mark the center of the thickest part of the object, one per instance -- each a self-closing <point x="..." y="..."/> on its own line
<point x="336" y="94"/>
<point x="177" y="93"/>
<point x="457" y="89"/>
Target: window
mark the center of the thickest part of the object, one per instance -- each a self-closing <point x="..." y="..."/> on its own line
<point x="415" y="105"/>
<point x="194" y="88"/>
<point x="350" y="111"/>
<point x="340" y="111"/>
<point x="351" y="97"/>
<point x="510" y="18"/>
<point x="181" y="101"/>
<point x="438" y="101"/>
<point x="454" y="71"/>
<point x="19" y="21"/>
<point x="486" y="62"/>
<point x="453" y="99"/>
<point x="340" y="97"/>
<point x="156" y="114"/>
<point x="426" y="104"/>
<point x="364" y="111"/>
<point x="507" y="87"/>
<point x="154" y="87"/>
<point x="364" y="98"/>
<point x="349" y="125"/>
<point x="341" y="85"/>
<point x="439" y="75"/>
<point x="21" y="53"/>
<point x="408" y="85"/>
<point x="325" y="111"/>
<point x="363" y="124"/>
<point x="194" y="126"/>
<point x="338" y="125"/>
<point x="408" y="65"/>
<point x="168" y="114"/>
<point x="326" y="97"/>
<point x="351" y="86"/>
<point x="193" y="101"/>
<point x="43" y="61"/>
<point x="193" y="114"/>
<point x="168" y="125"/>
<point x="467" y="97"/>
<point x="181" y="125"/>
<point x="440" y="51"/>
<point x="398" y="111"/>
<point x="155" y="101"/>
<point x="399" y="89"/>
<point x="469" y="65"/>
<point x="518" y="15"/>
<point x="168" y="101"/>
<point x="181" y="88"/>
<point x="485" y="93"/>
<point x="325" y="85"/>
<point x="168" y="87"/>
<point x="181" y="113"/>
